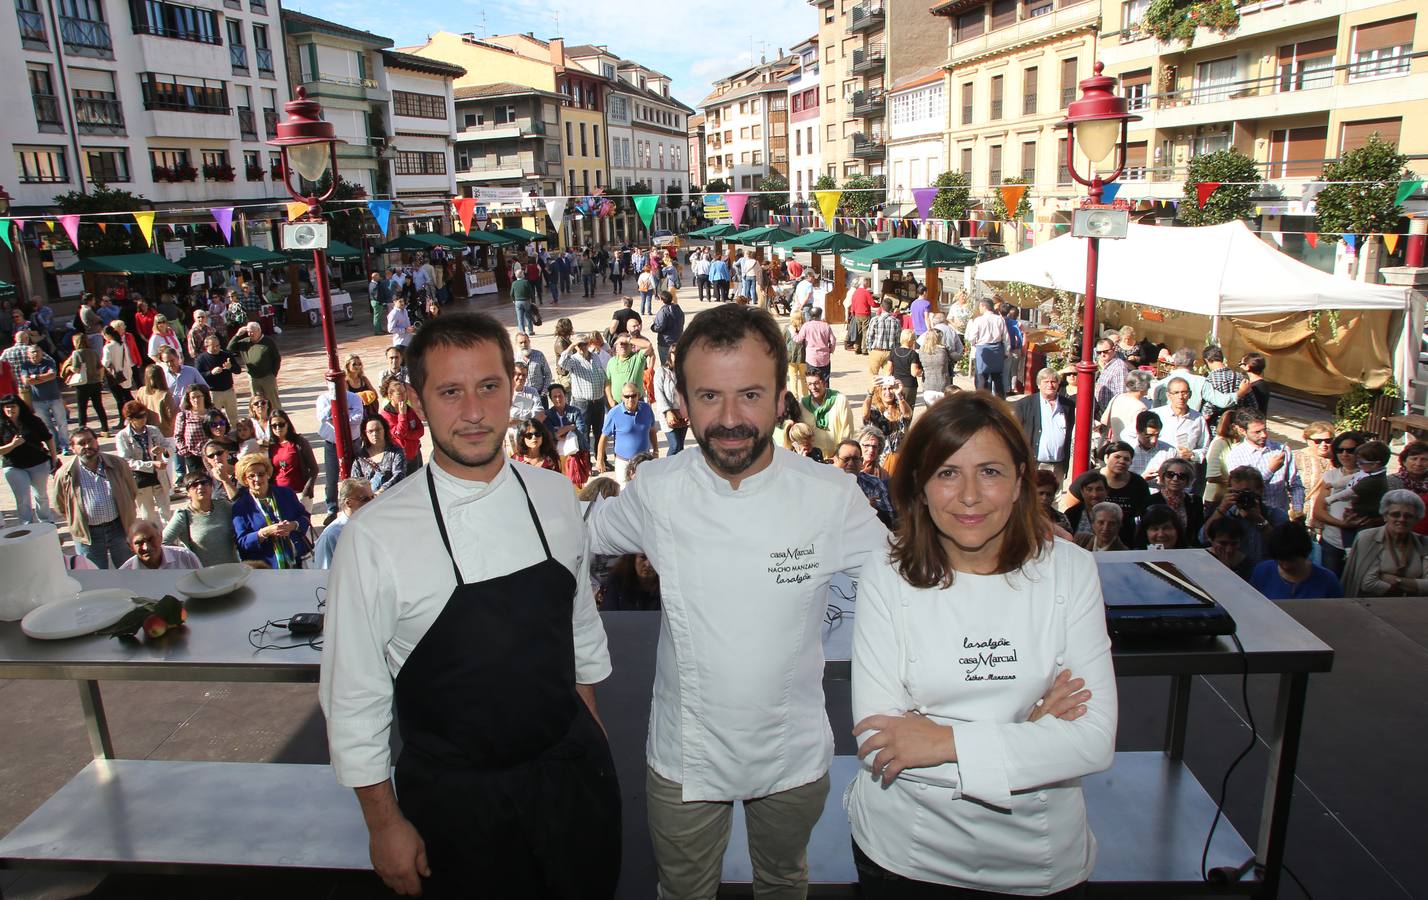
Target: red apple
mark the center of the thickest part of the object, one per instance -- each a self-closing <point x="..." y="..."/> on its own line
<point x="155" y="626"/>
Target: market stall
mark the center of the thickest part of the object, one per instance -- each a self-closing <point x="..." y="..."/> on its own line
<point x="889" y="260"/>
<point x="833" y="280"/>
<point x="1322" y="333"/>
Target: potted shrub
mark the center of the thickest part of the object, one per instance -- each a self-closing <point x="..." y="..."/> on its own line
<point x="185" y="173"/>
<point x="219" y="172"/>
<point x="255" y="173"/>
<point x="163" y="173"/>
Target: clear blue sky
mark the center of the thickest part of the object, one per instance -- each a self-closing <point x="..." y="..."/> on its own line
<point x="693" y="43"/>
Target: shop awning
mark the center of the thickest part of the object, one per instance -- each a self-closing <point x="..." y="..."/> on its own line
<point x="523" y="234"/>
<point x="205" y="261"/>
<point x="757" y="237"/>
<point x="908" y="253"/>
<point x="335" y="250"/>
<point x="126" y="264"/>
<point x="255" y="257"/>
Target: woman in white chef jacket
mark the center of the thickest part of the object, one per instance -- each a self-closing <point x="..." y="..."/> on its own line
<point x="982" y="680"/>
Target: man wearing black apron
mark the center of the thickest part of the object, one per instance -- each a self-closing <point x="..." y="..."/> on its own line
<point x="462" y="601"/>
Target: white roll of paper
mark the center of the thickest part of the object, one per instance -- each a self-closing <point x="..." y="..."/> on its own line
<point x="34" y="570"/>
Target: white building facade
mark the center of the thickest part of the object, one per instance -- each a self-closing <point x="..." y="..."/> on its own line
<point x="804" y="144"/>
<point x="917" y="126"/>
<point x="424" y="126"/>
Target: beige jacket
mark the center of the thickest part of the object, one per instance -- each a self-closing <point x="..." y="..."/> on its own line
<point x="67" y="502"/>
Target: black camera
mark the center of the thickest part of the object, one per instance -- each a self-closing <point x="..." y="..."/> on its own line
<point x="1246" y="499"/>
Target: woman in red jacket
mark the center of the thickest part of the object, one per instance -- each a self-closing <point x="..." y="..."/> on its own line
<point x="403" y="421"/>
<point x="294" y="463"/>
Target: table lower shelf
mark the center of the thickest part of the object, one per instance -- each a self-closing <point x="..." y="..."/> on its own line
<point x="1148" y="813"/>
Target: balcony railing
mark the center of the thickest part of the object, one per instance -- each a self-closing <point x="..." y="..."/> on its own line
<point x="99" y="115"/>
<point x="1028" y="174"/>
<point x="1284" y="82"/>
<point x="994" y="177"/>
<point x="867" y="145"/>
<point x="868" y="59"/>
<point x="265" y="59"/>
<point x="967" y="114"/>
<point x="996" y="110"/>
<point x="185" y="98"/>
<point x="1028" y="105"/>
<point x="868" y="103"/>
<point x="88" y="34"/>
<point x="47" y="109"/>
<point x="238" y="56"/>
<point x="270" y="122"/>
<point x="32" y="26"/>
<point x="526" y="126"/>
<point x="1067" y="95"/>
<point x="247" y="123"/>
<point x="866" y="17"/>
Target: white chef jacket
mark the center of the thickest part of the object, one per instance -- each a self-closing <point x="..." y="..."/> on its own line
<point x="738" y="706"/>
<point x="1009" y="815"/>
<point x="393" y="580"/>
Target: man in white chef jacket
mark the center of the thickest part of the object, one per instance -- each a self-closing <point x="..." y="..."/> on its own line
<point x="745" y="538"/>
<point x="462" y="603"/>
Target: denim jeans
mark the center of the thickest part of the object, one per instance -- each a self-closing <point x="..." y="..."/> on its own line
<point x="674" y="440"/>
<point x="646" y="302"/>
<point x="751" y="288"/>
<point x="523" y="317"/>
<point x="330" y="471"/>
<point x="52" y="413"/>
<point x="589" y="285"/>
<point x="21" y="482"/>
<point x="553" y="285"/>
<point x="109" y="545"/>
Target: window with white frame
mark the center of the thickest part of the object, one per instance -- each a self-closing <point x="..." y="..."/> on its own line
<point x="1214" y="80"/>
<point x="41" y="165"/>
<point x="617" y="108"/>
<point x="1382" y="49"/>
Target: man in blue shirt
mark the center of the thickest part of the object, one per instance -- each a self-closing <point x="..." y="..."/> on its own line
<point x="632" y="425"/>
<point x="719" y="277"/>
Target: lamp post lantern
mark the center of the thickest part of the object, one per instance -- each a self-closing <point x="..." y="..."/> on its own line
<point x="1097" y="124"/>
<point x="309" y="146"/>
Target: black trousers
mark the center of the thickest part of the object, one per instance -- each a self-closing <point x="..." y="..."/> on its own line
<point x="87" y="395"/>
<point x="877" y="883"/>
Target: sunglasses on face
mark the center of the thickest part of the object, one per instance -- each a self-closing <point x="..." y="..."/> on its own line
<point x="630" y="397"/>
<point x="277" y="424"/>
<point x="1348" y="449"/>
<point x="1322" y="440"/>
<point x="845" y="459"/>
<point x="1175" y="476"/>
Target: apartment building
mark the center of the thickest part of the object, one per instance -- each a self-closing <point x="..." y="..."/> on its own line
<point x="508" y="136"/>
<point x="1013" y="67"/>
<point x="805" y="162"/>
<point x="698" y="171"/>
<point x="140" y="97"/>
<point x="423" y="140"/>
<point x="916" y="136"/>
<point x="851" y="41"/>
<point x="1293" y="85"/>
<point x="746" y="117"/>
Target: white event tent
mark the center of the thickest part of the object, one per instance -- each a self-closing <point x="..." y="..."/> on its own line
<point x="1214" y="271"/>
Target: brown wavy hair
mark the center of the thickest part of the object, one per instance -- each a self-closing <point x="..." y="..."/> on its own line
<point x="937" y="434"/>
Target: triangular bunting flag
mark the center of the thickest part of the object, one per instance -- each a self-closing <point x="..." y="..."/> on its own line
<point x="1109" y="192"/>
<point x="71" y="228"/>
<point x="923" y="197"/>
<point x="1407" y="189"/>
<point x="146" y="226"/>
<point x="5" y="234"/>
<point x="1311" y="238"/>
<point x="828" y="204"/>
<point x="1391" y="242"/>
<point x="223" y="215"/>
<point x="645" y="205"/>
<point x="127" y="227"/>
<point x="50" y="224"/>
<point x="1351" y="241"/>
<point x="465" y="209"/>
<point x="736" y="204"/>
<point x="555" y="209"/>
<point x="381" y="210"/>
<point x="1011" y="198"/>
<point x="295" y="209"/>
<point x="1203" y="190"/>
<point x="19" y="226"/>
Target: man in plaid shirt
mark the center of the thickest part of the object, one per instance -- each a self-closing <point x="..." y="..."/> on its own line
<point x="1112" y="380"/>
<point x="1283" y="488"/>
<point x="587" y="385"/>
<point x="1221" y="390"/>
<point x="883" y="332"/>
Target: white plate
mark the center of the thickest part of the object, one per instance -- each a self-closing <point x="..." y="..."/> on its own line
<point x="83" y="614"/>
<point x="214" y="581"/>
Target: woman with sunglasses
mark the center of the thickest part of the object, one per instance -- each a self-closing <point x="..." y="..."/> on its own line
<point x="1314" y="458"/>
<point x="359" y="384"/>
<point x="259" y="411"/>
<point x="1329" y="516"/>
<point x="294" y="463"/>
<point x="205" y="526"/>
<point x="536" y="446"/>
<point x="380" y="461"/>
<point x="1176" y="476"/>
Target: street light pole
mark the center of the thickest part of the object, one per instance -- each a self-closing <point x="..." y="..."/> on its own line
<point x="1098" y="124"/>
<point x="309" y="144"/>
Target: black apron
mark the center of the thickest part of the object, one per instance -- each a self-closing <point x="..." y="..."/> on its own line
<point x="503" y="770"/>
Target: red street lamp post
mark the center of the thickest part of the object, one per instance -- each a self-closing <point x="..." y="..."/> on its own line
<point x="309" y="145"/>
<point x="1097" y="125"/>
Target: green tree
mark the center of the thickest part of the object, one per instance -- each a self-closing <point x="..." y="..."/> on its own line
<point x="717" y="186"/>
<point x="773" y="193"/>
<point x="674" y="197"/>
<point x="825" y="183"/>
<point x="347" y="226"/>
<point x="113" y="238"/>
<point x="999" y="208"/>
<point x="863" y="194"/>
<point x="1240" y="178"/>
<point x="1367" y="200"/>
<point x="954" y="196"/>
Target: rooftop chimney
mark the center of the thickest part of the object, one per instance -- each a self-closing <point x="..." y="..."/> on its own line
<point x="557" y="51"/>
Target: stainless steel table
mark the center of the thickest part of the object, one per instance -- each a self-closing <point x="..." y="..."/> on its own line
<point x="1148" y="809"/>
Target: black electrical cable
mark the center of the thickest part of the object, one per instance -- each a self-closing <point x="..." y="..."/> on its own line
<point x="1225" y="782"/>
<point x="1290" y="872"/>
<point x="312" y="643"/>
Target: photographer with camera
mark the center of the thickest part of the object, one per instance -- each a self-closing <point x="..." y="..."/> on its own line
<point x="1244" y="503"/>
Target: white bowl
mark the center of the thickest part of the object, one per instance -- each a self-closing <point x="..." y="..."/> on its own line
<point x="85" y="613"/>
<point x="214" y="581"/>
